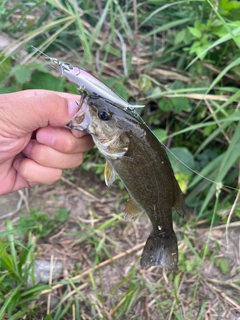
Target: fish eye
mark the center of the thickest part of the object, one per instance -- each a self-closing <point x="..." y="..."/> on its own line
<point x="103" y="115"/>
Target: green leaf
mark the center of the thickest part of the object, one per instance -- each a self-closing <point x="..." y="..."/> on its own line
<point x="10" y="296"/>
<point x="12" y="88"/>
<point x="222" y="265"/>
<point x="229" y="5"/>
<point x="180" y="37"/>
<point x="46" y="81"/>
<point x="13" y="302"/>
<point x="5" y="68"/>
<point x="195" y="32"/>
<point x="160" y="134"/>
<point x="117" y="85"/>
<point x="237" y="212"/>
<point x="6" y="261"/>
<point x="38" y="66"/>
<point x="22" y="73"/>
<point x="165" y="104"/>
<point x="35" y="290"/>
<point x="209" y="129"/>
<point x="71" y="88"/>
<point x="180" y="104"/>
<point x="220" y="31"/>
<point x="62" y="215"/>
<point x="165" y="27"/>
<point x="180" y="158"/>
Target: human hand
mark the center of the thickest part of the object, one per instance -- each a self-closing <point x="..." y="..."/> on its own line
<point x="34" y="145"/>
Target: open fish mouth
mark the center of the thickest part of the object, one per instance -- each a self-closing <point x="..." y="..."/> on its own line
<point x="82" y="118"/>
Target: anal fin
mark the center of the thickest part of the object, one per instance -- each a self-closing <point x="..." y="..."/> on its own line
<point x="132" y="210"/>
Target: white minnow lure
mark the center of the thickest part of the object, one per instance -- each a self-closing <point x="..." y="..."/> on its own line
<point x="88" y="84"/>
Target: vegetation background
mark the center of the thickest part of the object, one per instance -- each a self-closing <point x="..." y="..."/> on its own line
<point x="181" y="59"/>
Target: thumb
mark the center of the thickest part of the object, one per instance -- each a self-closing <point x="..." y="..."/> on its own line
<point x="26" y="115"/>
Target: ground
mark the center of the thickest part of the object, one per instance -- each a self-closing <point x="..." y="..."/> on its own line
<point x="96" y="235"/>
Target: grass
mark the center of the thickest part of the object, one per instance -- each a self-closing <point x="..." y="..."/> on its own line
<point x="107" y="282"/>
<point x="181" y="58"/>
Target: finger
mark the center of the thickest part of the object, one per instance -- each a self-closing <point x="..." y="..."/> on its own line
<point x="33" y="173"/>
<point x="79" y="134"/>
<point x="49" y="157"/>
<point x="38" y="111"/>
<point x="63" y="140"/>
<point x="34" y="93"/>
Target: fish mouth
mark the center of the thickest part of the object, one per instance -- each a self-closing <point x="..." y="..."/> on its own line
<point x="81" y="119"/>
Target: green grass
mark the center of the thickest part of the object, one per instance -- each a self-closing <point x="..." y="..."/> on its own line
<point x="180" y="58"/>
<point x="16" y="261"/>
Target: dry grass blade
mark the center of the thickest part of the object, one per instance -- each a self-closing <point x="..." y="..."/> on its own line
<point x="100" y="265"/>
<point x="216" y="119"/>
<point x="230" y="225"/>
<point x="223" y="295"/>
<point x="83" y="191"/>
<point x="196" y="96"/>
<point x="236" y="201"/>
<point x="140" y="49"/>
<point x="31" y="35"/>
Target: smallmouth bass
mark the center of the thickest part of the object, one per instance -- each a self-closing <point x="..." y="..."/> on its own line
<point x="134" y="154"/>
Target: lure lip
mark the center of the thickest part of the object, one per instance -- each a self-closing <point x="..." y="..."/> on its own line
<point x="88" y="84"/>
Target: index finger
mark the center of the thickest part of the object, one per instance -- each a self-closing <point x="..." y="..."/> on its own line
<point x="34" y="93"/>
<point x="36" y="111"/>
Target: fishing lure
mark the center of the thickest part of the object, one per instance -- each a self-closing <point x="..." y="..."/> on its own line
<point x="88" y="84"/>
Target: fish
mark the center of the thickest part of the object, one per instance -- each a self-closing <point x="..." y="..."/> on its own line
<point x="135" y="155"/>
<point x="88" y="84"/>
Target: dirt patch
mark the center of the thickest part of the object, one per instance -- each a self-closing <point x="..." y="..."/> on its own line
<point x="92" y="245"/>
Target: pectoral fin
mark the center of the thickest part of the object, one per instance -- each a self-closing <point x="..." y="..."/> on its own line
<point x="109" y="174"/>
<point x="132" y="210"/>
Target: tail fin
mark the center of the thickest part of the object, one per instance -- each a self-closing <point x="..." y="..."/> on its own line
<point x="160" y="250"/>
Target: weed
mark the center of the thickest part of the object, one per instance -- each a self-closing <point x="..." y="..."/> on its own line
<point x="40" y="224"/>
<point x="16" y="260"/>
<point x="181" y="58"/>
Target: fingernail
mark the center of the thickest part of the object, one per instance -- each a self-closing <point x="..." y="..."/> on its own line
<point x="28" y="148"/>
<point x="46" y="136"/>
<point x="72" y="108"/>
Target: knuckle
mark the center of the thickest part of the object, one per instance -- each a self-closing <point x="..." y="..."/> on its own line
<point x="41" y="156"/>
<point x="69" y="145"/>
<point x="37" y="153"/>
<point x="24" y="169"/>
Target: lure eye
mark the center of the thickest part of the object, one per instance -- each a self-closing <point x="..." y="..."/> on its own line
<point x="103" y="115"/>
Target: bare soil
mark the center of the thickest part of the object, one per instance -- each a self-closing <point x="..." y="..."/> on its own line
<point x="206" y="291"/>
